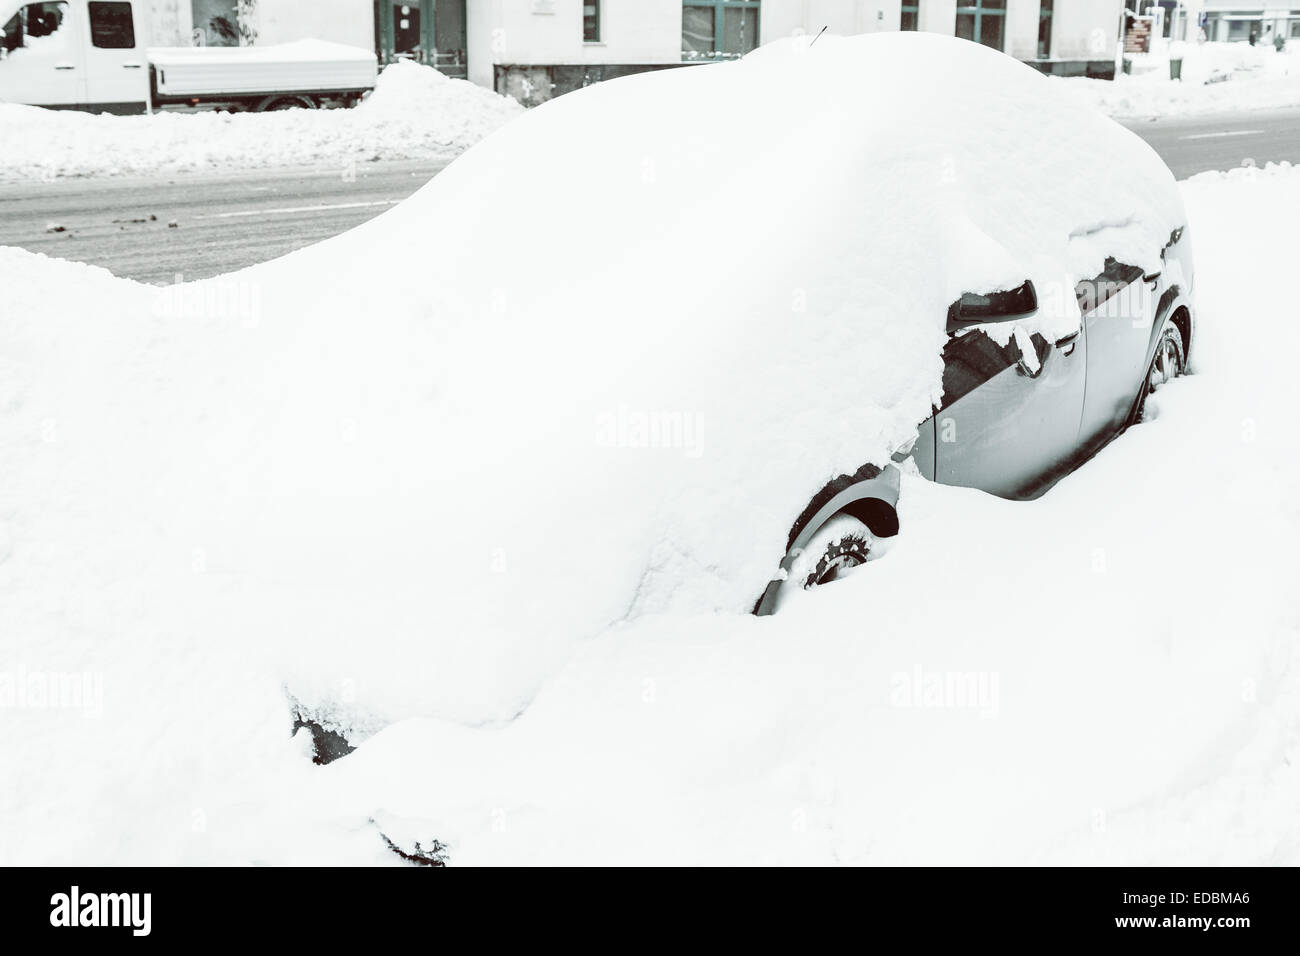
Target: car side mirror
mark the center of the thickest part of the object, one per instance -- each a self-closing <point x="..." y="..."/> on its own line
<point x="982" y="308"/>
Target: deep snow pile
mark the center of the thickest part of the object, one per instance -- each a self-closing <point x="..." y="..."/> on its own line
<point x="1216" y="77"/>
<point x="282" y="482"/>
<point x="415" y="112"/>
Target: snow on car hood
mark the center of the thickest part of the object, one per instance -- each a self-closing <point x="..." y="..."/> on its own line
<point x="597" y="367"/>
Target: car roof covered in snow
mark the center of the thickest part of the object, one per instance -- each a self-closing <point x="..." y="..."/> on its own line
<point x="654" y="317"/>
<point x="597" y="367"/>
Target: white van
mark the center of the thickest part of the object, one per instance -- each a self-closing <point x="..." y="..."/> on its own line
<point x="92" y="55"/>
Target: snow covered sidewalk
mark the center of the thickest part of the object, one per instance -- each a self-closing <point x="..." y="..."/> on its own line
<point x="1108" y="674"/>
<point x="414" y="113"/>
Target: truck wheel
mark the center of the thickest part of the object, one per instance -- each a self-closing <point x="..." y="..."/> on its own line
<point x="275" y="103"/>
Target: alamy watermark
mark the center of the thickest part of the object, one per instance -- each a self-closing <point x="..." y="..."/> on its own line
<point x="24" y="689"/>
<point x="945" y="690"/>
<point x="75" y="908"/>
<point x="625" y="427"/>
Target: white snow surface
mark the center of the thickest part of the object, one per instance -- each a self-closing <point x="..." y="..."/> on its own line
<point x="414" y="112"/>
<point x="204" y="512"/>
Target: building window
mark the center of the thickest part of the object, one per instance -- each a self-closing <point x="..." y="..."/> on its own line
<point x="1044" y="29"/>
<point x="591" y="21"/>
<point x="714" y="29"/>
<point x="216" y="22"/>
<point x="1241" y="29"/>
<point x="911" y="13"/>
<point x="983" y="21"/>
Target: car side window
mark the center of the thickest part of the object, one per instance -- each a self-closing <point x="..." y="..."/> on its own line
<point x="971" y="359"/>
<point x="1114" y="278"/>
<point x="11" y="35"/>
<point x="111" y="26"/>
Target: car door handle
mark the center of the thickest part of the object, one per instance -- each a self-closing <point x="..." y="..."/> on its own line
<point x="64" y="66"/>
<point x="131" y="66"/>
<point x="1067" y="343"/>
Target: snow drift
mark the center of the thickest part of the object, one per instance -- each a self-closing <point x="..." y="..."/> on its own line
<point x="1133" y="667"/>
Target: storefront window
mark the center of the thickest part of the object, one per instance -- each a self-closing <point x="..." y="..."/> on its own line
<point x="715" y="29"/>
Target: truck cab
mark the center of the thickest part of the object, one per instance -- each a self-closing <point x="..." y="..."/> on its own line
<point x="74" y="54"/>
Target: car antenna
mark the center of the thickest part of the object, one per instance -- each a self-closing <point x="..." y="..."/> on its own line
<point x="818" y="36"/>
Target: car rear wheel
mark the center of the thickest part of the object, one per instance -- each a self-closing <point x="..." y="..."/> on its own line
<point x="841" y="545"/>
<point x="1167" y="364"/>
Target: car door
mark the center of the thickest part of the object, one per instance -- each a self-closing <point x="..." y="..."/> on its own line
<point x="40" y="62"/>
<point x="117" y="76"/>
<point x="1117" y="315"/>
<point x="1009" y="422"/>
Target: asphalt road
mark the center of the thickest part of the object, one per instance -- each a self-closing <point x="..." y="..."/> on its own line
<point x="221" y="222"/>
<point x="225" y="222"/>
<point x="1222" y="141"/>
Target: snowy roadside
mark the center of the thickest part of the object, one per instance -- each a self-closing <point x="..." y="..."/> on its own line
<point x="417" y="113"/>
<point x="414" y="113"/>
<point x="1216" y="78"/>
<point x="1108" y="674"/>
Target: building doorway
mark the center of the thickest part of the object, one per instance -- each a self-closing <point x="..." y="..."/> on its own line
<point x="426" y="31"/>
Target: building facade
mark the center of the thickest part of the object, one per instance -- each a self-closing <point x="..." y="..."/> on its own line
<point x="1238" y="21"/>
<point x="1223" y="21"/>
<point x="536" y="49"/>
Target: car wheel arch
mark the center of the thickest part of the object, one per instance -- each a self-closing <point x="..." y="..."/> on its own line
<point x="1173" y="305"/>
<point x="870" y="495"/>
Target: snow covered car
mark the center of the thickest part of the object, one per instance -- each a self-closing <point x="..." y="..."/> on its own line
<point x="665" y="345"/>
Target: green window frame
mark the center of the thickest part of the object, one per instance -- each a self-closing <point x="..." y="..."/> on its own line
<point x="717" y="44"/>
<point x="986" y="21"/>
<point x="911" y="16"/>
<point x="591" y="21"/>
<point x="1045" y="29"/>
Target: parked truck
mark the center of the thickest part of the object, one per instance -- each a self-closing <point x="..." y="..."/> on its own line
<point x="93" y="55"/>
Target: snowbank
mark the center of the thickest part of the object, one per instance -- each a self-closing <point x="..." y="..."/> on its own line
<point x="1216" y="77"/>
<point x="1114" y="682"/>
<point x="272" y="483"/>
<point x="415" y="112"/>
